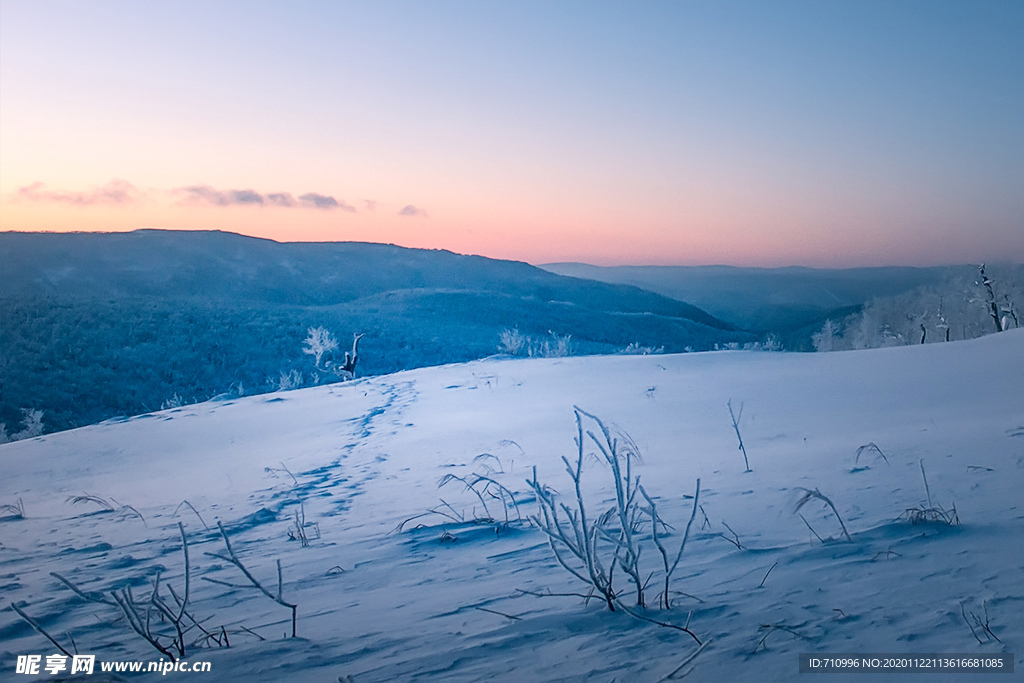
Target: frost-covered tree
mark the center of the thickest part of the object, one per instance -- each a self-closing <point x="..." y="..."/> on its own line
<point x="961" y="308"/>
<point x="33" y="420"/>
<point x="1009" y="312"/>
<point x="318" y="342"/>
<point x="990" y="298"/>
<point x="825" y="339"/>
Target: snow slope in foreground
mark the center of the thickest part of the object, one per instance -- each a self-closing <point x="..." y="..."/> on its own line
<point x="439" y="600"/>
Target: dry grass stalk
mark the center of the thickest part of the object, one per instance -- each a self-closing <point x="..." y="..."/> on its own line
<point x="89" y="498"/>
<point x="107" y="506"/>
<point x="485" y="487"/>
<point x="808" y="524"/>
<point x="500" y="614"/>
<point x="484" y="458"/>
<point x="772" y="628"/>
<point x="13" y="510"/>
<point x="766" y="575"/>
<point x="192" y="508"/>
<point x="810" y="495"/>
<point x="867" y="448"/>
<point x="919" y="514"/>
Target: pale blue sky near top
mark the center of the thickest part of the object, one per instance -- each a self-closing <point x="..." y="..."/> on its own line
<point x="852" y="126"/>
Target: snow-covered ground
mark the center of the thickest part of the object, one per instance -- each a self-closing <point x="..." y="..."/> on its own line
<point x="439" y="600"/>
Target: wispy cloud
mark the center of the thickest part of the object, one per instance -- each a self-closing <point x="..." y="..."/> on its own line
<point x="284" y="199"/>
<point x="204" y="194"/>
<point x="116" y="192"/>
<point x="321" y="201"/>
<point x="370" y="204"/>
<point x="410" y="210"/>
<point x="121" y="192"/>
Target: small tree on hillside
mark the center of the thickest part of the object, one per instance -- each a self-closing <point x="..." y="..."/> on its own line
<point x="346" y="369"/>
<point x="990" y="298"/>
<point x="825" y="339"/>
<point x="318" y="342"/>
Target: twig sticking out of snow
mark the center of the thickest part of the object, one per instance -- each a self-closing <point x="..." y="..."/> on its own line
<point x="664" y="598"/>
<point x="736" y="426"/>
<point x="299" y="525"/>
<point x="232" y="558"/>
<point x="766" y="575"/>
<point x="690" y="658"/>
<point x="735" y="540"/>
<point x="39" y="629"/>
<point x="983" y="626"/>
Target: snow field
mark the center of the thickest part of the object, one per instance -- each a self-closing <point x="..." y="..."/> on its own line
<point x="442" y="600"/>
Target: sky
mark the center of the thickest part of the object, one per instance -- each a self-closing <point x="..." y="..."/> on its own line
<point x="830" y="134"/>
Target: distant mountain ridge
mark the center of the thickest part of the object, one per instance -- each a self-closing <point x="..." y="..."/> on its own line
<point x="222" y="265"/>
<point x="769" y="299"/>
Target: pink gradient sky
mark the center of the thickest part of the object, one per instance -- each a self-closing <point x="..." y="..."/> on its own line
<point x="684" y="133"/>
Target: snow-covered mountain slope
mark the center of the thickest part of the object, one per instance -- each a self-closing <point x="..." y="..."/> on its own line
<point x="442" y="600"/>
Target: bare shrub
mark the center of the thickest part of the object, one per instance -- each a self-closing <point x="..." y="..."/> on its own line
<point x="515" y="343"/>
<point x="556" y="347"/>
<point x="139" y="613"/>
<point x="289" y="380"/>
<point x="635" y="349"/>
<point x="512" y="342"/>
<point x="298" y="530"/>
<point x="592" y="548"/>
<point x="232" y="558"/>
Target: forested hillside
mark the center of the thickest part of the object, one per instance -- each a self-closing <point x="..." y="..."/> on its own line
<point x="94" y="326"/>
